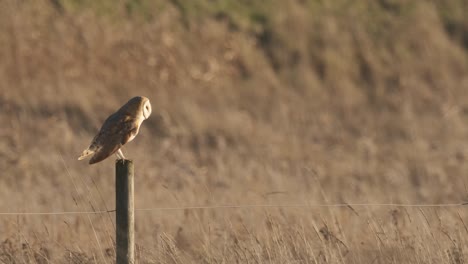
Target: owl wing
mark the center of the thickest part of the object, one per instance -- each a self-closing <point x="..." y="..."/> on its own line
<point x="115" y="132"/>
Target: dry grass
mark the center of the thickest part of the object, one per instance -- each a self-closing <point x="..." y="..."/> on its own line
<point x="290" y="102"/>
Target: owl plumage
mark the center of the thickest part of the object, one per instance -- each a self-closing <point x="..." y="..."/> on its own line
<point x="118" y="129"/>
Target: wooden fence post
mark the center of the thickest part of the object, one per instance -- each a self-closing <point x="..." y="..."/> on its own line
<point x="124" y="212"/>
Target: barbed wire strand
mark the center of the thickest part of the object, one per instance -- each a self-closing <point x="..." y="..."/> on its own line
<point x="337" y="205"/>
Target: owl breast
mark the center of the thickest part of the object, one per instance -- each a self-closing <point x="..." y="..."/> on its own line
<point x="134" y="133"/>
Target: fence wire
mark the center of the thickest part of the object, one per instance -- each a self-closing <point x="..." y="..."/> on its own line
<point x="246" y="206"/>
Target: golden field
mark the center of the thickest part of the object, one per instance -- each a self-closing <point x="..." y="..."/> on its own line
<point x="296" y="102"/>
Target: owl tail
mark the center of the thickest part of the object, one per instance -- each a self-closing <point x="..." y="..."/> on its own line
<point x="86" y="153"/>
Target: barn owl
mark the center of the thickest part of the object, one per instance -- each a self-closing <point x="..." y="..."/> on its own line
<point x="119" y="128"/>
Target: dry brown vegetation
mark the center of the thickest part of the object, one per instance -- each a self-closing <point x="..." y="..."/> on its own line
<point x="271" y="102"/>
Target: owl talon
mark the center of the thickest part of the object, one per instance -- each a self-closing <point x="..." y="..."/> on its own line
<point x="120" y="154"/>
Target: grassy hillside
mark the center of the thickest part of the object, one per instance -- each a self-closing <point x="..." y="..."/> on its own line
<point x="254" y="102"/>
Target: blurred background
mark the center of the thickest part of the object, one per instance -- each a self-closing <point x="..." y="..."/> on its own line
<point x="254" y="102"/>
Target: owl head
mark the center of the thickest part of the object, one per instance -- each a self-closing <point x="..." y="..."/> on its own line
<point x="137" y="105"/>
